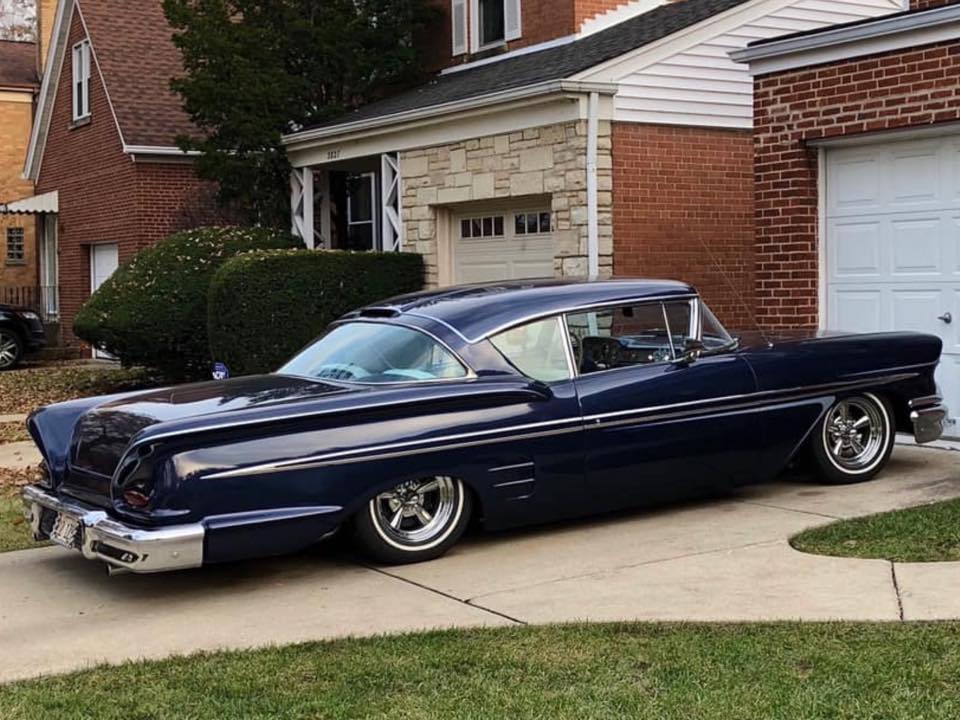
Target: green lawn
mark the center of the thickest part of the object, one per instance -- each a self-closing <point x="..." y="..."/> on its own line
<point x="929" y="533"/>
<point x="707" y="672"/>
<point x="14" y="529"/>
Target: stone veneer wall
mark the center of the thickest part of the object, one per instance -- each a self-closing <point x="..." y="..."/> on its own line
<point x="537" y="162"/>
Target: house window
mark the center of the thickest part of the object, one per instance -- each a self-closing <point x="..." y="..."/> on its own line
<point x="491" y="24"/>
<point x="15" y="254"/>
<point x="81" y="80"/>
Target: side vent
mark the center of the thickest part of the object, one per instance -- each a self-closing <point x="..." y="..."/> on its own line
<point x="516" y="481"/>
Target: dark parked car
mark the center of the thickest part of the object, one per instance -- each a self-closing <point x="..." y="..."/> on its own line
<point x="510" y="403"/>
<point x="21" y="332"/>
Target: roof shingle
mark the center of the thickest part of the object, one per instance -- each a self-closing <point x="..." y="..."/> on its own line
<point x="18" y="63"/>
<point x="554" y="63"/>
<point x="133" y="45"/>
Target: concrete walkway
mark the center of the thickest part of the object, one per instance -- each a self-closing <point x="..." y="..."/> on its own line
<point x="711" y="560"/>
<point x="15" y="417"/>
<point x="19" y="455"/>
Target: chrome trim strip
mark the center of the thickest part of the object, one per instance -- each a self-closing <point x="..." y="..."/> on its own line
<point x="925" y="401"/>
<point x="523" y="320"/>
<point x="526" y="481"/>
<point x="510" y="467"/>
<point x="648" y="414"/>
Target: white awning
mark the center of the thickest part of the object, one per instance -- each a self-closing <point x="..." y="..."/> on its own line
<point x="48" y="202"/>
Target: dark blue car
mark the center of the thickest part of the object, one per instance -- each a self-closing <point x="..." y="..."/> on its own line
<point x="510" y="404"/>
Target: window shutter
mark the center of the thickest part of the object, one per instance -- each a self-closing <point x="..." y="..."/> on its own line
<point x="511" y="20"/>
<point x="459" y="15"/>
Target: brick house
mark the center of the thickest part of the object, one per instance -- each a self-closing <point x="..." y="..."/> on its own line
<point x="857" y="157"/>
<point x="19" y="82"/>
<point x="109" y="179"/>
<point x="563" y="137"/>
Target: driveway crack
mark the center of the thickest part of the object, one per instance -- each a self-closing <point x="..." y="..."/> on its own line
<point x="793" y="510"/>
<point x="448" y="596"/>
<point x="896" y="589"/>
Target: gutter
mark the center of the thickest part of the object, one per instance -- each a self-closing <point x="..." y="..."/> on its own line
<point x="550" y="87"/>
<point x="872" y="30"/>
<point x="593" y="205"/>
<point x="158" y="150"/>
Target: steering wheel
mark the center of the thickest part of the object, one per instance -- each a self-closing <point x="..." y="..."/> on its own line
<point x="342" y="371"/>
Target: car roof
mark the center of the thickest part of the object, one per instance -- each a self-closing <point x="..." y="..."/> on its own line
<point x="477" y="311"/>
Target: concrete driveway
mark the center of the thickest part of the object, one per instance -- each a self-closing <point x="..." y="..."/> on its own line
<point x="722" y="559"/>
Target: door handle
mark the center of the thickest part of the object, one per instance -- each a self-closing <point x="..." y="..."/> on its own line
<point x="946" y="317"/>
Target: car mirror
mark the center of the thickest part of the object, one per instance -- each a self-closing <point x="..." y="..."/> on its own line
<point x="692" y="348"/>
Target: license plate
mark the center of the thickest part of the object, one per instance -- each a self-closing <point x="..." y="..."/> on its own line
<point x="65" y="529"/>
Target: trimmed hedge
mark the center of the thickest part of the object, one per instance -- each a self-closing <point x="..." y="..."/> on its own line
<point x="265" y="306"/>
<point x="153" y="310"/>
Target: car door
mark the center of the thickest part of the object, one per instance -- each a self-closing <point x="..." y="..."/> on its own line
<point x="657" y="425"/>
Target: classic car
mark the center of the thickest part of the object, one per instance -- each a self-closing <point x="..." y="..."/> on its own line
<point x="21" y="332"/>
<point x="509" y="403"/>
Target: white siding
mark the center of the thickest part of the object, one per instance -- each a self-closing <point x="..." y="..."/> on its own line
<point x="701" y="85"/>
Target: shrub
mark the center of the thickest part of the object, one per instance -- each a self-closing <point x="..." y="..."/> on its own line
<point x="265" y="306"/>
<point x="153" y="310"/>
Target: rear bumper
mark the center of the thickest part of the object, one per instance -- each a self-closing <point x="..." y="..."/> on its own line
<point x="928" y="415"/>
<point x="100" y="537"/>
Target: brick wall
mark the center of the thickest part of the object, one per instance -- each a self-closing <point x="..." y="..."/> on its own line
<point x="881" y="92"/>
<point x="927" y="4"/>
<point x="105" y="197"/>
<point x="587" y="9"/>
<point x="16" y="116"/>
<point x="683" y="209"/>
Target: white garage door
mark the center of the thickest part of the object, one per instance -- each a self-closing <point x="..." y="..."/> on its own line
<point x="503" y="245"/>
<point x="893" y="245"/>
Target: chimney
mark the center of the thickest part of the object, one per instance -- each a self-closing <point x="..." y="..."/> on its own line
<point x="46" y="15"/>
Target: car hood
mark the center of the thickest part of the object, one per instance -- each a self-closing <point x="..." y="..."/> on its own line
<point x="103" y="433"/>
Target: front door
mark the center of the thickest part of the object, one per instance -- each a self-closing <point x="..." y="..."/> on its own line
<point x="104" y="260"/>
<point x="655" y="427"/>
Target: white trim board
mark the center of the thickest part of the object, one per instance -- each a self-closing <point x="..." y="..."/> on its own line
<point x="882" y="35"/>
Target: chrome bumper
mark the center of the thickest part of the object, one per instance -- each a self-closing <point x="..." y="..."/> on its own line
<point x="120" y="546"/>
<point x="928" y="415"/>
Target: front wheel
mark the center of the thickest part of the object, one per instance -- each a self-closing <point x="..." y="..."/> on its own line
<point x="414" y="521"/>
<point x="854" y="440"/>
<point x="11" y="349"/>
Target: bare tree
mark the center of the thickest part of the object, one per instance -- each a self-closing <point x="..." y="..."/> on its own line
<point x="18" y="20"/>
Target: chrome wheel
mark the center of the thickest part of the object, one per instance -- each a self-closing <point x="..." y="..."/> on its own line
<point x="419" y="514"/>
<point x="9" y="349"/>
<point x="855" y="434"/>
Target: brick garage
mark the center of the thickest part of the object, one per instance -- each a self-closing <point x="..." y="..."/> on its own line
<point x="857" y="163"/>
<point x="109" y="193"/>
<point x="899" y="89"/>
<point x="683" y="206"/>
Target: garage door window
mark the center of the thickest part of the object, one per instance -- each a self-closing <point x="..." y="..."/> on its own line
<point x="490" y="226"/>
<point x="532" y="223"/>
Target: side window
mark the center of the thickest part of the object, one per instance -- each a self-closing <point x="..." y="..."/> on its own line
<point x="641" y="334"/>
<point x="538" y="349"/>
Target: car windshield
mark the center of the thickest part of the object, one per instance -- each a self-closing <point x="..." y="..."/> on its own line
<point x="375" y="353"/>
<point x="715" y="337"/>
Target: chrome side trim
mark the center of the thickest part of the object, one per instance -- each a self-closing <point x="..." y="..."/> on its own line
<point x="510" y="467"/>
<point x="772" y="399"/>
<point x="139" y="550"/>
<point x="525" y="481"/>
<point x="925" y="401"/>
<point x="524" y="319"/>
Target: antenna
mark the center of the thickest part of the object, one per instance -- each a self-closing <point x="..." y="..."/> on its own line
<point x="733" y="287"/>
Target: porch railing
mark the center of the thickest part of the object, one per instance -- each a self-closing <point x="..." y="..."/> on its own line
<point x="42" y="299"/>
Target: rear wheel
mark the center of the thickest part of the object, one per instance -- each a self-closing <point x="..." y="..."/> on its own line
<point x="11" y="349"/>
<point x="414" y="521"/>
<point x="854" y="440"/>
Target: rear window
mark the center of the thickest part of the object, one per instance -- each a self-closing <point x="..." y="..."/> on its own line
<point x="538" y="349"/>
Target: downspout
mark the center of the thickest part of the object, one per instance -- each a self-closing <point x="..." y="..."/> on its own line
<point x="593" y="210"/>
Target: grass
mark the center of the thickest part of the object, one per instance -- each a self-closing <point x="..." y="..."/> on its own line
<point x="14" y="529"/>
<point x="24" y="390"/>
<point x="929" y="533"/>
<point x="709" y="672"/>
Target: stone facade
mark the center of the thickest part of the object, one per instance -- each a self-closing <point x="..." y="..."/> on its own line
<point x="545" y="162"/>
